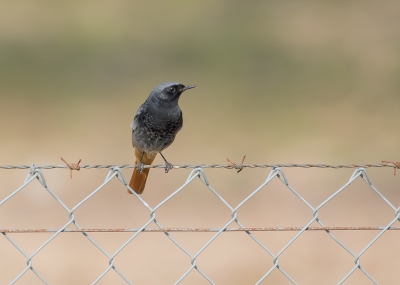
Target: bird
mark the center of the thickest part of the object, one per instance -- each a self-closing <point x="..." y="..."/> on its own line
<point x="154" y="127"/>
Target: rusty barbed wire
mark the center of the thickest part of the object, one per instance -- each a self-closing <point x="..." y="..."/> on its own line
<point x="72" y="166"/>
<point x="227" y="166"/>
<point x="395" y="165"/>
<point x="239" y="165"/>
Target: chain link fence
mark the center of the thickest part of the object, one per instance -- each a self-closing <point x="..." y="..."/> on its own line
<point x="315" y="223"/>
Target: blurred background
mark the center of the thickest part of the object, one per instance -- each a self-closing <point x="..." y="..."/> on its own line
<point x="283" y="82"/>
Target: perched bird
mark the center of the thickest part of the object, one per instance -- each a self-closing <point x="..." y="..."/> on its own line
<point x="156" y="123"/>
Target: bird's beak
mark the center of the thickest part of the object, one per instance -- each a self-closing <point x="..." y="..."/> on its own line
<point x="187" y="87"/>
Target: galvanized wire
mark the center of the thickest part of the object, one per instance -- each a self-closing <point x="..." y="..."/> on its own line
<point x="276" y="173"/>
<point x="192" y="166"/>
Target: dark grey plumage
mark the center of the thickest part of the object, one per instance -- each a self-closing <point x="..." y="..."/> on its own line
<point x="158" y="119"/>
<point x="154" y="128"/>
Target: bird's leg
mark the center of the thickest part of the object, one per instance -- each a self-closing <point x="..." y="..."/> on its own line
<point x="168" y="166"/>
<point x="140" y="164"/>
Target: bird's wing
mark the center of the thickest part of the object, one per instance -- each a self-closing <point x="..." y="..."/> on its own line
<point x="134" y="124"/>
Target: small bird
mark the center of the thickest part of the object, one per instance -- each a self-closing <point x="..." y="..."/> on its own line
<point x="156" y="123"/>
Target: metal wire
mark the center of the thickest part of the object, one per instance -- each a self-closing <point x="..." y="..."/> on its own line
<point x="192" y="166"/>
<point x="198" y="173"/>
<point x="197" y="230"/>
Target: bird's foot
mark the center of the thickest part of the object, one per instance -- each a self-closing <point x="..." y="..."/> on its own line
<point x="140" y="167"/>
<point x="168" y="166"/>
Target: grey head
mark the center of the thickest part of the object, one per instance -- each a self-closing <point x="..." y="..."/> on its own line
<point x="168" y="92"/>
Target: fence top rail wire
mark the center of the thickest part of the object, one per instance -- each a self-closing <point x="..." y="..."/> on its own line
<point x="227" y="166"/>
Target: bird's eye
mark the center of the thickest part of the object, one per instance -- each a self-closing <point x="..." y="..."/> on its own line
<point x="172" y="89"/>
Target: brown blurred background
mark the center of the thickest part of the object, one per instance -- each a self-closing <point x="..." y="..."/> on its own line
<point x="287" y="82"/>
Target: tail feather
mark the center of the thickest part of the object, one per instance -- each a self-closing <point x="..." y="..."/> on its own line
<point x="138" y="180"/>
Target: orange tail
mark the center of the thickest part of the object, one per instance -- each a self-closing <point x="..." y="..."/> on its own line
<point x="138" y="181"/>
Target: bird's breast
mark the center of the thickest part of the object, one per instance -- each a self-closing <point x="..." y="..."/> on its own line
<point x="156" y="129"/>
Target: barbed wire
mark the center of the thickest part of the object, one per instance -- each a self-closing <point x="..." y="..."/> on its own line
<point x="191" y="166"/>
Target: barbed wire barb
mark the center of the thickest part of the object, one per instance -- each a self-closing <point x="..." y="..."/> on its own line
<point x="396" y="165"/>
<point x="238" y="166"/>
<point x="72" y="166"/>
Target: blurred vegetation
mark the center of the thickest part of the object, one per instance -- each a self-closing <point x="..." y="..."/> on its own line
<point x="284" y="73"/>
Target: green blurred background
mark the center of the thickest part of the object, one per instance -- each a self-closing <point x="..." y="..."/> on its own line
<point x="282" y="82"/>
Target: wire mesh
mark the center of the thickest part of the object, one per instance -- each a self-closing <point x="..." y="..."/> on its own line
<point x="154" y="225"/>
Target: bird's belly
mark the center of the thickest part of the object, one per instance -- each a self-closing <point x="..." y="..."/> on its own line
<point x="152" y="140"/>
